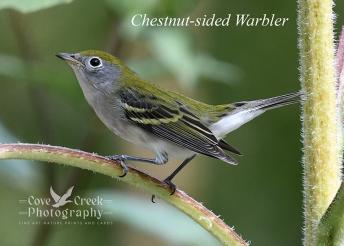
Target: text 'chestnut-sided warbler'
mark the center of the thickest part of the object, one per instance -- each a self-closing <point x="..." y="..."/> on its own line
<point x="168" y="123"/>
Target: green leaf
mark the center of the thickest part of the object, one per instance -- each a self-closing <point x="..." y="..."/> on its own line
<point x="27" y="6"/>
<point x="331" y="226"/>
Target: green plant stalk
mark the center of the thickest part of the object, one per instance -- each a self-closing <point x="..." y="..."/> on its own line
<point x="99" y="164"/>
<point x="322" y="167"/>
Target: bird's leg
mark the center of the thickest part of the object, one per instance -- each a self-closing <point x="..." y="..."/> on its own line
<point x="159" y="160"/>
<point x="168" y="180"/>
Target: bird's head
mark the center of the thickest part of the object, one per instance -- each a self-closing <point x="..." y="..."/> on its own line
<point x="96" y="70"/>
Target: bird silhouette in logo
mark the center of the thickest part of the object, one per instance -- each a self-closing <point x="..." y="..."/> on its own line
<point x="61" y="200"/>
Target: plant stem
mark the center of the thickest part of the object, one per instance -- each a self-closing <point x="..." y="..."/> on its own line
<point x="322" y="167"/>
<point x="99" y="164"/>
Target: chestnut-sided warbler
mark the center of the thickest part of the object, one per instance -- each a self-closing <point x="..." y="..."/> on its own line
<point x="168" y="123"/>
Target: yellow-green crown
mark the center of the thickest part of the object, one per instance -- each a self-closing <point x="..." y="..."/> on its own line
<point x="103" y="55"/>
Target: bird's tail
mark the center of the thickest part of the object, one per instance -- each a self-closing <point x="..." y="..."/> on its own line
<point x="271" y="103"/>
<point x="243" y="112"/>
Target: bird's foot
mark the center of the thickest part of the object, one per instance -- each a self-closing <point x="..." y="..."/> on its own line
<point x="122" y="161"/>
<point x="172" y="187"/>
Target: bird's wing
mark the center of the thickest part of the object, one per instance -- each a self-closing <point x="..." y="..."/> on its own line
<point x="172" y="121"/>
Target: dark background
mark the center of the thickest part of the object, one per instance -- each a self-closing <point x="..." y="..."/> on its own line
<point x="41" y="102"/>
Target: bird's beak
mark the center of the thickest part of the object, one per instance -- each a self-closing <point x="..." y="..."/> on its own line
<point x="69" y="58"/>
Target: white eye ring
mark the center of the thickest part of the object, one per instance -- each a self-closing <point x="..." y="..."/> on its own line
<point x="95" y="62"/>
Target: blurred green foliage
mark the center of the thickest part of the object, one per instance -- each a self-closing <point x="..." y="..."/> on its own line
<point x="31" y="5"/>
<point x="42" y="102"/>
<point x="179" y="229"/>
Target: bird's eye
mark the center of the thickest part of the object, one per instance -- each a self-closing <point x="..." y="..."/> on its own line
<point x="95" y="62"/>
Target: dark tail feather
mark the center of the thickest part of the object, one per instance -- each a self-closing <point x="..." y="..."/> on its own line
<point x="280" y="101"/>
<point x="227" y="158"/>
<point x="273" y="102"/>
<point x="224" y="145"/>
